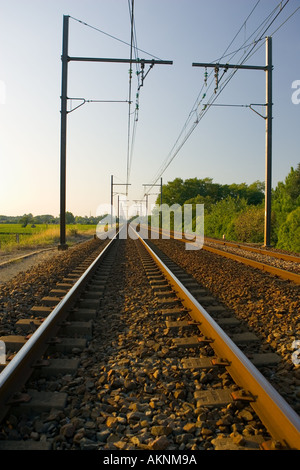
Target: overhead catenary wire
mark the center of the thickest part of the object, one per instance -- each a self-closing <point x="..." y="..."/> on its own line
<point x="194" y="113"/>
<point x="163" y="167"/>
<point x="131" y="10"/>
<point x="113" y="37"/>
<point x="134" y="49"/>
<point x="277" y="29"/>
<point x="141" y="75"/>
<point x="131" y="130"/>
<point x="198" y="100"/>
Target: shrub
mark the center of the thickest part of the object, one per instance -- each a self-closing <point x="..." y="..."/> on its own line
<point x="220" y="220"/>
<point x="289" y="232"/>
<point x="249" y="225"/>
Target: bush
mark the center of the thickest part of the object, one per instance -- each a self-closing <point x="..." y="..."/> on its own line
<point x="220" y="220"/>
<point x="289" y="232"/>
<point x="249" y="225"/>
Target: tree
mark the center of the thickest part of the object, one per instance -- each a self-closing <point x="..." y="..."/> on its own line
<point x="70" y="219"/>
<point x="173" y="193"/>
<point x="179" y="191"/>
<point x="289" y="232"/>
<point x="286" y="197"/>
<point x="220" y="220"/>
<point x="249" y="225"/>
<point x="26" y="219"/>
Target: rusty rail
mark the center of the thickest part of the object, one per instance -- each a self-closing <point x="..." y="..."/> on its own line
<point x="20" y="368"/>
<point x="282" y="273"/>
<point x="252" y="249"/>
<point x="279" y="418"/>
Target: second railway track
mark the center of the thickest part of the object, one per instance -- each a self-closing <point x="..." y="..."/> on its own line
<point x="136" y="378"/>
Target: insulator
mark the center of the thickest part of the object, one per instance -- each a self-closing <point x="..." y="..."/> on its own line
<point x="217" y="78"/>
<point x="205" y="76"/>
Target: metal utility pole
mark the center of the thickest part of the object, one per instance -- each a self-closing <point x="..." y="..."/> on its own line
<point x="118" y="209"/>
<point x="161" y="192"/>
<point x="161" y="188"/>
<point x="112" y="184"/>
<point x="64" y="99"/>
<point x="268" y="159"/>
<point x="146" y="195"/>
<point x="63" y="133"/>
<point x="111" y="199"/>
<point x="138" y="203"/>
<point x="269" y="117"/>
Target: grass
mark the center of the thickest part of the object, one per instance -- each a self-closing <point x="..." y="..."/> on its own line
<point x="40" y="236"/>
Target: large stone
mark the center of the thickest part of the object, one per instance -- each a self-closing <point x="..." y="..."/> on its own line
<point x="161" y="443"/>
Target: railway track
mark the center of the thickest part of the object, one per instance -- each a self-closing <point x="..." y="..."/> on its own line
<point x="282" y="265"/>
<point x="278" y="264"/>
<point x="163" y="374"/>
<point x="251" y="249"/>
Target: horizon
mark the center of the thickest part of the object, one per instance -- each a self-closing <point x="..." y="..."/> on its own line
<point x="228" y="143"/>
<point x="136" y="204"/>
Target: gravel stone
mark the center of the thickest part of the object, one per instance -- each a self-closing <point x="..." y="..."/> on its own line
<point x="130" y="391"/>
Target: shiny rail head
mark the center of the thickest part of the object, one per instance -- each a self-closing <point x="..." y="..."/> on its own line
<point x="2" y="352"/>
<point x="242" y="368"/>
<point x="42" y="331"/>
<point x="187" y="222"/>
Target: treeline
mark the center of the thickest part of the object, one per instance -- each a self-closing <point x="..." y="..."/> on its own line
<point x="236" y="211"/>
<point x="29" y="219"/>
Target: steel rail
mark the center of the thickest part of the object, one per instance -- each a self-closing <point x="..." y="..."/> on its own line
<point x="19" y="369"/>
<point x="272" y="254"/>
<point x="252" y="249"/>
<point x="282" y="273"/>
<point x="279" y="418"/>
<point x="19" y="258"/>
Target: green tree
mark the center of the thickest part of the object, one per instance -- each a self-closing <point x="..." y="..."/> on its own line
<point x="70" y="219"/>
<point x="286" y="196"/>
<point x="173" y="193"/>
<point x="220" y="220"/>
<point x="289" y="232"/>
<point x="179" y="191"/>
<point x="81" y="220"/>
<point x="249" y="225"/>
<point x="26" y="219"/>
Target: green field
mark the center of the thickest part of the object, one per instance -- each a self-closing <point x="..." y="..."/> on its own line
<point x="15" y="236"/>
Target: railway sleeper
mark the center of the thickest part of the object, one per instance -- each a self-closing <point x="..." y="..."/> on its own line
<point x="66" y="345"/>
<point x="25" y="445"/>
<point x="226" y="319"/>
<point x="223" y="397"/>
<point x="52" y="367"/>
<point x="36" y="402"/>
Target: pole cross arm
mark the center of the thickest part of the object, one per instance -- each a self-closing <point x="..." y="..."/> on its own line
<point x="268" y="68"/>
<point x="230" y="66"/>
<point x="124" y="61"/>
<point x="65" y="58"/>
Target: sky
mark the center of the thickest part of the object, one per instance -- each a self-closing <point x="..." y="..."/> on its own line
<point x="227" y="144"/>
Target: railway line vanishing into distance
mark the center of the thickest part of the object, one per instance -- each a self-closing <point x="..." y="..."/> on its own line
<point x="140" y="344"/>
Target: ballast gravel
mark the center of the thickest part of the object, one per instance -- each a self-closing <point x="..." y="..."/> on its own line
<point x="269" y="306"/>
<point x="19" y="294"/>
<point x="130" y="391"/>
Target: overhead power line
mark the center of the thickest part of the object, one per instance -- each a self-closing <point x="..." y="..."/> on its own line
<point x="112" y="37"/>
<point x="131" y="10"/>
<point x="140" y="74"/>
<point x="195" y="116"/>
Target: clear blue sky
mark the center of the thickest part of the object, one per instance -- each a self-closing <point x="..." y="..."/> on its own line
<point x="227" y="145"/>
